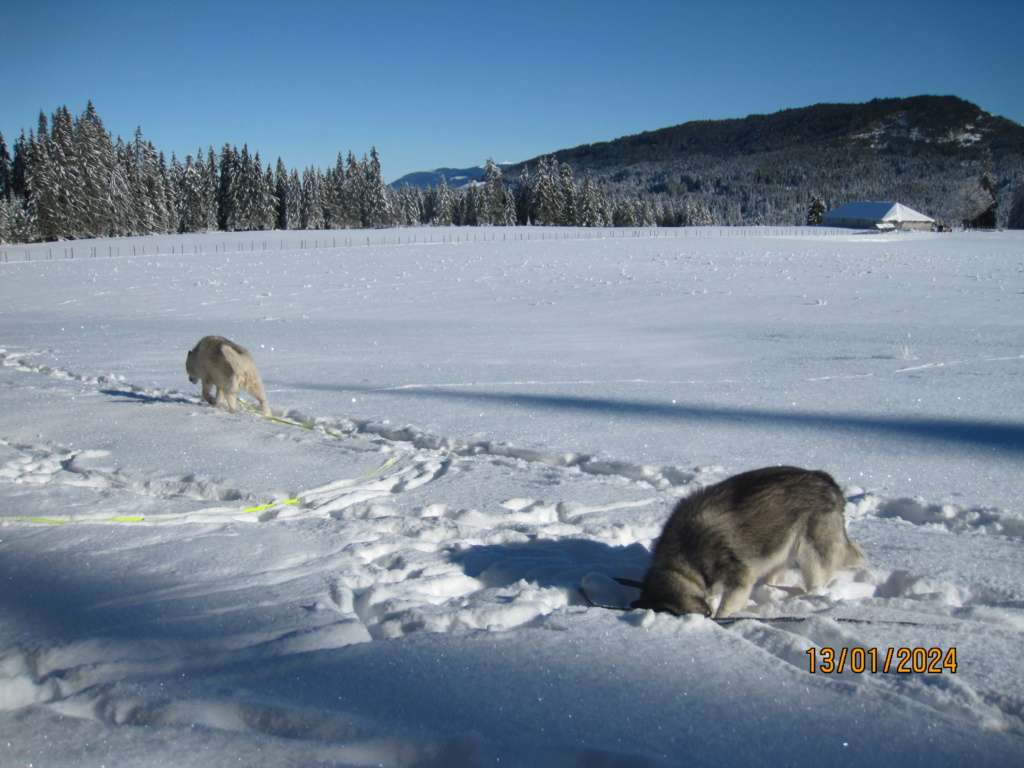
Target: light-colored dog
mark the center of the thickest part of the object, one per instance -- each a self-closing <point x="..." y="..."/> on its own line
<point x="221" y="363"/>
<point x="723" y="538"/>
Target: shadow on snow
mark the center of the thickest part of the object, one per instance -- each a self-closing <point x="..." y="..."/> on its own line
<point x="1007" y="437"/>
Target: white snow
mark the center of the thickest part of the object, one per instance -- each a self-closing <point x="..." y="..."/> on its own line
<point x="472" y="425"/>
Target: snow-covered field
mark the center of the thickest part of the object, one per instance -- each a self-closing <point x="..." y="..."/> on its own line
<point x="470" y="425"/>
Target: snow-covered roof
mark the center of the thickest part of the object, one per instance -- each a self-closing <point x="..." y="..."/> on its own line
<point x="872" y="211"/>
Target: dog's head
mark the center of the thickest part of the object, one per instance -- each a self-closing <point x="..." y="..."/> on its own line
<point x="190" y="367"/>
<point x="672" y="592"/>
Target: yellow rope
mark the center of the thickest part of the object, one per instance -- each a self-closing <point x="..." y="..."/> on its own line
<point x="285" y="421"/>
<point x="247" y="510"/>
<point x="221" y="510"/>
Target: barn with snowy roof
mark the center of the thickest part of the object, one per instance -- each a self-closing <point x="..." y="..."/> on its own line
<point x="882" y="216"/>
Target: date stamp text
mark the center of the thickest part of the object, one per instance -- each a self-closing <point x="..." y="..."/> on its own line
<point x="872" y="660"/>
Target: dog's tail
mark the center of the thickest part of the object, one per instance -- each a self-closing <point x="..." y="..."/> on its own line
<point x="854" y="554"/>
<point x="234" y="359"/>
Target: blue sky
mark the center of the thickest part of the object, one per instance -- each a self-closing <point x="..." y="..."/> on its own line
<point x="451" y="83"/>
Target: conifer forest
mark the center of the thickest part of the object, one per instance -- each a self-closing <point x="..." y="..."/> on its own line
<point x="69" y="179"/>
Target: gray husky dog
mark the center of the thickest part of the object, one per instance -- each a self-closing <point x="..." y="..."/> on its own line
<point x="723" y="538"/>
<point x="221" y="363"/>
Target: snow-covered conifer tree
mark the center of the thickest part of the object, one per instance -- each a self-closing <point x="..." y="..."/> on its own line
<point x="270" y="207"/>
<point x="509" y="214"/>
<point x="469" y="207"/>
<point x="568" y="205"/>
<point x="353" y="193"/>
<point x="546" y="193"/>
<point x="103" y="184"/>
<point x="41" y="184"/>
<point x="1015" y="219"/>
<point x="19" y="164"/>
<point x="6" y="185"/>
<point x="623" y="213"/>
<point x="312" y="199"/>
<point x="62" y="215"/>
<point x="170" y="221"/>
<point x="19" y="224"/>
<point x="410" y="206"/>
<point x="493" y="212"/>
<point x="378" y="211"/>
<point x="334" y="192"/>
<point x="523" y="193"/>
<point x="228" y="167"/>
<point x="294" y="200"/>
<point x="816" y="211"/>
<point x="444" y="205"/>
<point x="17" y="221"/>
<point x="242" y="194"/>
<point x="192" y="216"/>
<point x="282" y="193"/>
<point x="211" y="183"/>
<point x="593" y="205"/>
<point x="146" y="175"/>
<point x="699" y="215"/>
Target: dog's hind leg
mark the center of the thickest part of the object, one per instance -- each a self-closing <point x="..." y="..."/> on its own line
<point x="255" y="388"/>
<point x="264" y="407"/>
<point x="853" y="555"/>
<point x="825" y="550"/>
<point x="772" y="577"/>
<point x="231" y="396"/>
<point x="815" y="573"/>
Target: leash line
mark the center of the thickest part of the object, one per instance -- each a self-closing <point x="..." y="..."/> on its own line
<point x="213" y="510"/>
<point x="246" y="510"/>
<point x="287" y="422"/>
<point x="729" y="620"/>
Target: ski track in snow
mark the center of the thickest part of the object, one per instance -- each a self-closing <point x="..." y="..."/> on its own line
<point x="412" y="568"/>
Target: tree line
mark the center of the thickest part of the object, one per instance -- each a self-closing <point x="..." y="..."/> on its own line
<point x="70" y="179"/>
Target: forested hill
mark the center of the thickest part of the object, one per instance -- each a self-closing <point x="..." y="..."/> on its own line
<point x="939" y="154"/>
<point x="456" y="177"/>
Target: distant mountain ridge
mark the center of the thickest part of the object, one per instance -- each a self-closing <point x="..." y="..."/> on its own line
<point x="929" y="119"/>
<point x="941" y="155"/>
<point x="455" y="177"/>
<point x="938" y="154"/>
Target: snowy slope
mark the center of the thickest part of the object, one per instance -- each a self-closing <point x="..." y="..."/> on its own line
<point x="470" y="425"/>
